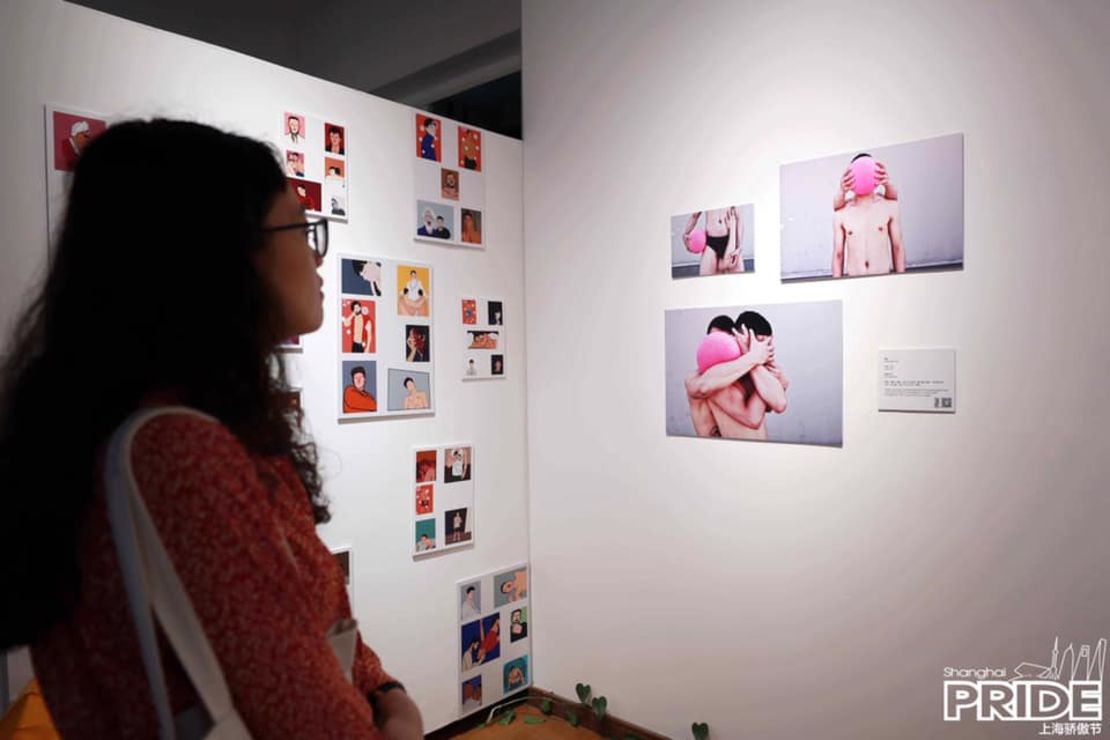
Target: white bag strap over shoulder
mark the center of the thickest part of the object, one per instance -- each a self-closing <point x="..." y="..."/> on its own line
<point x="152" y="583"/>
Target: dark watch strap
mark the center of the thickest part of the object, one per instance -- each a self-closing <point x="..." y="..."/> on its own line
<point x="389" y="686"/>
<point x="383" y="688"/>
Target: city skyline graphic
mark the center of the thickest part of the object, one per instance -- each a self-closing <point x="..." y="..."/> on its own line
<point x="1068" y="665"/>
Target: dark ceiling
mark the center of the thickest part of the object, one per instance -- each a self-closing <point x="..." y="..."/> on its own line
<point x="458" y="58"/>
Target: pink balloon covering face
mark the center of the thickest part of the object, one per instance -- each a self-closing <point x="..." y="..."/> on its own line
<point x="863" y="170"/>
<point x="715" y="348"/>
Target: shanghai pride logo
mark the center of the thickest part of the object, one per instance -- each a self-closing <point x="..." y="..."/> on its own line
<point x="1064" y="696"/>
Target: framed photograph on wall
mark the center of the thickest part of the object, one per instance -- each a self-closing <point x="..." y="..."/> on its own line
<point x="874" y="211"/>
<point x="769" y="373"/>
<point x="715" y="241"/>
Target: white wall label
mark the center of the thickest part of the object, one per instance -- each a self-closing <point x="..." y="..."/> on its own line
<point x="917" y="380"/>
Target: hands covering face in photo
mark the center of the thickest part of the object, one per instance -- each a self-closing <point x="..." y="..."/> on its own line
<point x="848" y="180"/>
<point x="759" y="350"/>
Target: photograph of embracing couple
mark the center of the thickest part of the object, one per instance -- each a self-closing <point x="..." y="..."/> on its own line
<point x="766" y="373"/>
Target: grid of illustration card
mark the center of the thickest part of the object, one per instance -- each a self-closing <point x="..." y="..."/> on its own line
<point x="443" y="499"/>
<point x="494" y="649"/>
<point x="314" y="155"/>
<point x="68" y="132"/>
<point x="450" y="186"/>
<point x="483" y="329"/>
<point x="385" y="338"/>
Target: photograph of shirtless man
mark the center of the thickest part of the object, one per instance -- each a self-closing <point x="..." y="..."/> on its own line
<point x="878" y="227"/>
<point x="867" y="228"/>
<point x="738" y="381"/>
<point x="718" y="242"/>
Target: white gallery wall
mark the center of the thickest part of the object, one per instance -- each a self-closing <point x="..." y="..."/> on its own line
<point x="51" y="51"/>
<point x="783" y="591"/>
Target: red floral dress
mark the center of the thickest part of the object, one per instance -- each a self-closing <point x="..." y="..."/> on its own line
<point x="225" y="518"/>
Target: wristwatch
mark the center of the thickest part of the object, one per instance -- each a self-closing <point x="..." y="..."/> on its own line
<point x="382" y="689"/>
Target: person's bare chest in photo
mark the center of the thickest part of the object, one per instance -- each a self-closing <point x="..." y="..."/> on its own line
<point x="715" y="224"/>
<point x="867" y="238"/>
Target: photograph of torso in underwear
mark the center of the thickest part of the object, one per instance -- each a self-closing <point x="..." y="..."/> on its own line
<point x="717" y="241"/>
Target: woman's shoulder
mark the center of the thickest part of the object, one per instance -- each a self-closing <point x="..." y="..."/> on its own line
<point x="183" y="463"/>
<point x="184" y="444"/>
<point x="181" y="428"/>
<point x="183" y="448"/>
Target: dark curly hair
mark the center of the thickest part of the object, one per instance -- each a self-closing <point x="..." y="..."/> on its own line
<point x="151" y="290"/>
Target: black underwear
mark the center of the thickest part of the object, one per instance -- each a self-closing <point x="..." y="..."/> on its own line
<point x="718" y="244"/>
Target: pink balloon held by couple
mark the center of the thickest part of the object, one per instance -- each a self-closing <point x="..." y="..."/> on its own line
<point x="738" y="382"/>
<point x="718" y="347"/>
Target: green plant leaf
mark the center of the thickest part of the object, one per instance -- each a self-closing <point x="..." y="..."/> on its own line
<point x="583" y="690"/>
<point x="700" y="730"/>
<point x="533" y="720"/>
<point x="547" y="706"/>
<point x="572" y="717"/>
<point x="509" y="717"/>
<point x="601" y="706"/>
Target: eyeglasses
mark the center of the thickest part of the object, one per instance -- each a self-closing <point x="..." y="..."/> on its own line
<point x="315" y="231"/>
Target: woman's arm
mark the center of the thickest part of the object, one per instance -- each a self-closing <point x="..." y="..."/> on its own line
<point x="213" y="515"/>
<point x="397" y="715"/>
